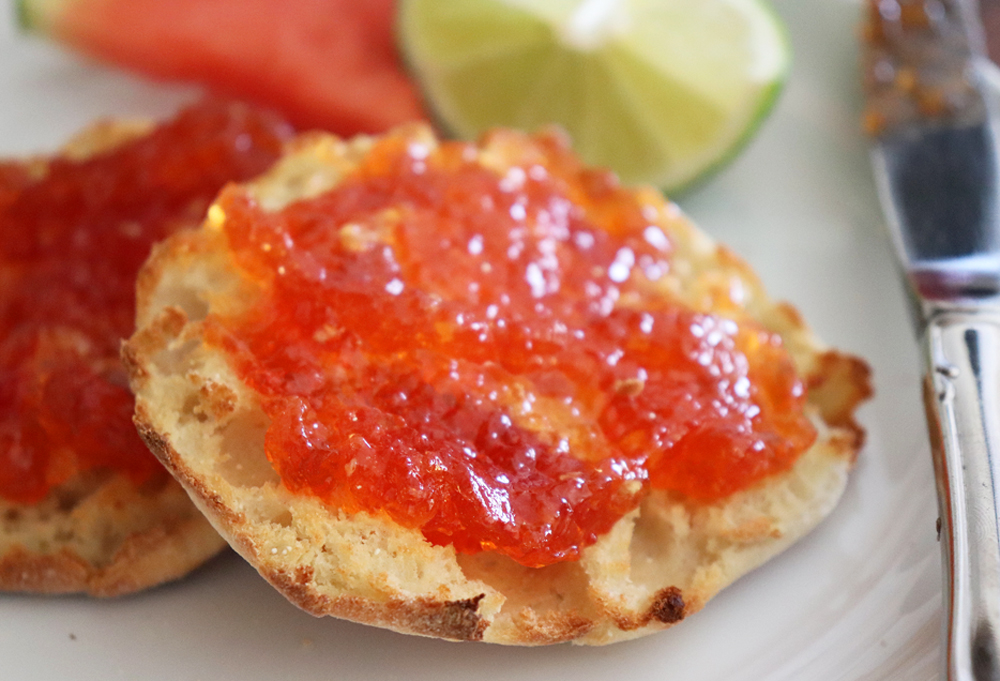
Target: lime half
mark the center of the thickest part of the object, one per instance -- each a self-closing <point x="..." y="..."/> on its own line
<point x="661" y="91"/>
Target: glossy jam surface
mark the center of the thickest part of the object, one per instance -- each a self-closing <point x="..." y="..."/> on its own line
<point x="493" y="358"/>
<point x="72" y="238"/>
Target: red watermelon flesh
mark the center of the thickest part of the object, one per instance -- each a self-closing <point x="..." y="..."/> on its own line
<point x="331" y="64"/>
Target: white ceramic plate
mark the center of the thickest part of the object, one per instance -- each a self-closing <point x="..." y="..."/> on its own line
<point x="857" y="599"/>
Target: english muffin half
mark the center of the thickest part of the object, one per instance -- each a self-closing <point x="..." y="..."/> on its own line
<point x="482" y="392"/>
<point x="83" y="506"/>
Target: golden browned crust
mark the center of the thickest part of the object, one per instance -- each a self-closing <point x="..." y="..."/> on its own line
<point x="658" y="565"/>
<point x="61" y="572"/>
<point x="98" y="533"/>
<point x="839" y="383"/>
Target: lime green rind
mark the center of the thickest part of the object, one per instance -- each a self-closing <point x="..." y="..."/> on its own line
<point x="448" y="120"/>
<point x="680" y="122"/>
<point x="618" y="131"/>
<point x="767" y="99"/>
<point x="768" y="102"/>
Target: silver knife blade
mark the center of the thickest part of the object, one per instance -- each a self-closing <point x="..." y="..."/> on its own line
<point x="935" y="157"/>
<point x="935" y="151"/>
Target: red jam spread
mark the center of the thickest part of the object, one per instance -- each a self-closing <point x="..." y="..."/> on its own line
<point x="916" y="64"/>
<point x="72" y="237"/>
<point x="493" y="358"/>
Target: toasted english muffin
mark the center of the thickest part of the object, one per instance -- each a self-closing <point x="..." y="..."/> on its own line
<point x="98" y="528"/>
<point x="659" y="563"/>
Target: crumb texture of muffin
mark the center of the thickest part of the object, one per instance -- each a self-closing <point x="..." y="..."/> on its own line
<point x="658" y="562"/>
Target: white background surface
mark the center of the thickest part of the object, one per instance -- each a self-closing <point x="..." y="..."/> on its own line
<point x="857" y="599"/>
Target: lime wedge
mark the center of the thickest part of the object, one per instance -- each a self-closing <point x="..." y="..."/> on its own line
<point x="661" y="91"/>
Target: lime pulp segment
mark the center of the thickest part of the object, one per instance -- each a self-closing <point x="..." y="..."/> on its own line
<point x="658" y="90"/>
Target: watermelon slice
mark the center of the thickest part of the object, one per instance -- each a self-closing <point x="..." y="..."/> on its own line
<point x="323" y="63"/>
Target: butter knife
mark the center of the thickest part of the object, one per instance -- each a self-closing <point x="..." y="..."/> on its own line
<point x="934" y="151"/>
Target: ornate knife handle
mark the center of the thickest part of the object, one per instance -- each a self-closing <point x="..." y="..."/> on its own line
<point x="962" y="393"/>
